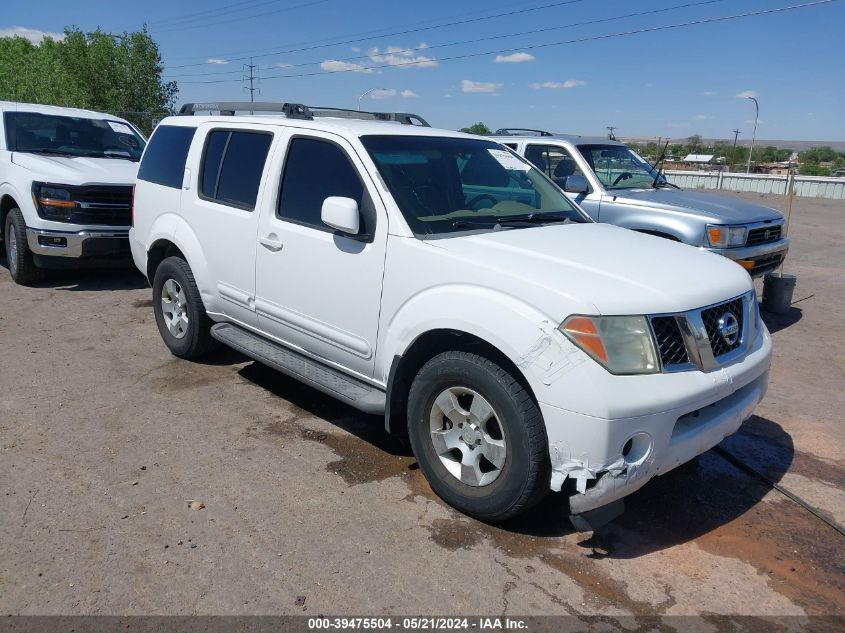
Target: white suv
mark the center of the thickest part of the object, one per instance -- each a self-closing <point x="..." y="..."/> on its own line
<point x="65" y="187"/>
<point x="442" y="281"/>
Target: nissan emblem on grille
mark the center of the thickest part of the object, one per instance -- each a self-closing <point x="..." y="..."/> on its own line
<point x="729" y="328"/>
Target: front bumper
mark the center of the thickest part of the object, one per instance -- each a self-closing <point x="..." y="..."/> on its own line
<point x="78" y="244"/>
<point x="610" y="458"/>
<point x="765" y="257"/>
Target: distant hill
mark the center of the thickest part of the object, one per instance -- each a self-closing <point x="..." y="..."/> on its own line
<point x="798" y="146"/>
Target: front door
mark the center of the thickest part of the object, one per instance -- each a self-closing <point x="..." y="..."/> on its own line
<point x="558" y="164"/>
<point x="316" y="289"/>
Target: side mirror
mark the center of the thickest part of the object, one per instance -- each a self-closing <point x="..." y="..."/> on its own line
<point x="341" y="214"/>
<point x="576" y="184"/>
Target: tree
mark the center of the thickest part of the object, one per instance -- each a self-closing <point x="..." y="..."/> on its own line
<point x="120" y="74"/>
<point x="694" y="143"/>
<point x="477" y="128"/>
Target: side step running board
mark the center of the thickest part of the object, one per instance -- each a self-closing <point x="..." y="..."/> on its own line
<point x="345" y="388"/>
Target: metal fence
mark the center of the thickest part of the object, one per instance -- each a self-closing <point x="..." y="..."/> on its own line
<point x="806" y="186"/>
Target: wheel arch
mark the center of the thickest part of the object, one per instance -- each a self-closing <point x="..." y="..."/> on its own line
<point x="423" y="348"/>
<point x="7" y="203"/>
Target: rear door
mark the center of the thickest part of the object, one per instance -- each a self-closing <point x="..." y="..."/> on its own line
<point x="316" y="289"/>
<point x="224" y="194"/>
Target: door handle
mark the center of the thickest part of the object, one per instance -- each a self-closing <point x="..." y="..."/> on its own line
<point x="271" y="242"/>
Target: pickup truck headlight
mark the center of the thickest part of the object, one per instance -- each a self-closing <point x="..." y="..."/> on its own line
<point x="53" y="202"/>
<point x="726" y="236"/>
<point x="622" y="344"/>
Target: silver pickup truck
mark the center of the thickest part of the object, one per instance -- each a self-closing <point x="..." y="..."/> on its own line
<point x="615" y="185"/>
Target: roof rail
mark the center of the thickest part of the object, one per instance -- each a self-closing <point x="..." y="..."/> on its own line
<point x="509" y="131"/>
<point x="300" y="111"/>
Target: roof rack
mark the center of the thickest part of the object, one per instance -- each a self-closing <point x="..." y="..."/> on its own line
<point x="509" y="131"/>
<point x="300" y="111"/>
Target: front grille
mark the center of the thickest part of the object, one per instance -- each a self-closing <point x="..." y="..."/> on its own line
<point x="711" y="317"/>
<point x="763" y="235"/>
<point x="670" y="342"/>
<point x="107" y="205"/>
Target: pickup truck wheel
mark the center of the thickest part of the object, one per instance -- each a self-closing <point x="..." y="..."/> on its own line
<point x="478" y="435"/>
<point x="18" y="256"/>
<point x="179" y="311"/>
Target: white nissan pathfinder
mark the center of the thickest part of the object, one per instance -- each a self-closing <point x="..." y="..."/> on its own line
<point x="442" y="281"/>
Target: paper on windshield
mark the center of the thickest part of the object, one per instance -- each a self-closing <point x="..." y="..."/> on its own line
<point x="508" y="160"/>
<point x="120" y="128"/>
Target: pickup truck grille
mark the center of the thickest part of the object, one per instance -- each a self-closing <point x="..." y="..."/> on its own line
<point x="711" y="317"/>
<point x="106" y="205"/>
<point x="670" y="342"/>
<point x="763" y="235"/>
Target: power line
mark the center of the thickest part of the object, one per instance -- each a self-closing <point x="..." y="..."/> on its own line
<point x="397" y="33"/>
<point x="380" y="31"/>
<point x="549" y="44"/>
<point x="228" y="8"/>
<point x="480" y="39"/>
<point x="241" y="18"/>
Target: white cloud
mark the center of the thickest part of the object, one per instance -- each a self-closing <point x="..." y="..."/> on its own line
<point x="408" y="93"/>
<point x="33" y="35"/>
<point x="514" y="58"/>
<point x="402" y="57"/>
<point x="708" y="93"/>
<point x="333" y="65"/>
<point x="355" y="49"/>
<point x="554" y="85"/>
<point x="702" y="117"/>
<point x="382" y="93"/>
<point x="479" y="86"/>
<point x="217" y="61"/>
<point x="283" y="65"/>
<point x="746" y="94"/>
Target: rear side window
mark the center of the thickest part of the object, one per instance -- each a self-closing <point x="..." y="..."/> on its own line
<point x="314" y="171"/>
<point x="164" y="161"/>
<point x="233" y="162"/>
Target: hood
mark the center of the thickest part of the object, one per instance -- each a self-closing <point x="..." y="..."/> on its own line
<point x="616" y="270"/>
<point x="80" y="170"/>
<point x="722" y="209"/>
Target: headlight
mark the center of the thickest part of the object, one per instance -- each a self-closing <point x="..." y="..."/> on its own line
<point x="53" y="202"/>
<point x="622" y="344"/>
<point x="726" y="236"/>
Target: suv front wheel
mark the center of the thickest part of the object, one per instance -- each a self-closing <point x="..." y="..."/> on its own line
<point x="179" y="311"/>
<point x="478" y="435"/>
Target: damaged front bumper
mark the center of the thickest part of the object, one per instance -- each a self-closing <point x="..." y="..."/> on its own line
<point x="609" y="459"/>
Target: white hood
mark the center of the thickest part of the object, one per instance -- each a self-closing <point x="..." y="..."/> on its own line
<point x="616" y="270"/>
<point x="80" y="170"/>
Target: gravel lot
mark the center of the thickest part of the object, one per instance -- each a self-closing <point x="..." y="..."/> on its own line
<point x="308" y="507"/>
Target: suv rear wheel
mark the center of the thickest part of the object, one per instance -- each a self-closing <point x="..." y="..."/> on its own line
<point x="21" y="265"/>
<point x="179" y="311"/>
<point x="478" y="435"/>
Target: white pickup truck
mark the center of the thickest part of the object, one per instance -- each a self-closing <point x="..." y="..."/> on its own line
<point x="442" y="281"/>
<point x="65" y="187"/>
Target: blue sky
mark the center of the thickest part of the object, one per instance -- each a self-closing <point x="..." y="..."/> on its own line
<point x="674" y="82"/>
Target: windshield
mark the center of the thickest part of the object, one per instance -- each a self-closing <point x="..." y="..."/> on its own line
<point x="444" y="185"/>
<point x="619" y="167"/>
<point x="72" y="136"/>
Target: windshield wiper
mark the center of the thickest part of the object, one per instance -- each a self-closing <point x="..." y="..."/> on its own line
<point x="532" y="218"/>
<point x="664" y="183"/>
<point x="110" y="153"/>
<point x="44" y="150"/>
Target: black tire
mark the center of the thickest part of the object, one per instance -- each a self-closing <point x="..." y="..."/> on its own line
<point x="196" y="339"/>
<point x="523" y="480"/>
<point x="22" y="268"/>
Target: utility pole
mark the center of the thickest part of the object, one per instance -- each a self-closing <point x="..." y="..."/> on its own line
<point x="250" y="67"/>
<point x="733" y="155"/>
<point x="610" y="135"/>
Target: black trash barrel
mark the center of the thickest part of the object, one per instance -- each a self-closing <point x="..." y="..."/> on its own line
<point x="777" y="292"/>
